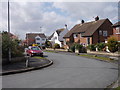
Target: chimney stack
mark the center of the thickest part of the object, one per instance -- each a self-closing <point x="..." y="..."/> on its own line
<point x="96" y="18"/>
<point x="66" y="26"/>
<point x="82" y="21"/>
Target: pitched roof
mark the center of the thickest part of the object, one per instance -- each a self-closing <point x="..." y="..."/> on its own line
<point x="58" y="32"/>
<point x="33" y="35"/>
<point x="87" y="29"/>
<point x="116" y="24"/>
<point x="50" y="36"/>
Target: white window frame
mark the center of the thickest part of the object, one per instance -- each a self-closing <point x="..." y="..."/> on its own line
<point x="105" y="33"/>
<point x="118" y="30"/>
<point x="100" y="32"/>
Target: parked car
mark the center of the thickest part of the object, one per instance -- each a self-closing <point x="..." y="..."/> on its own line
<point x="34" y="51"/>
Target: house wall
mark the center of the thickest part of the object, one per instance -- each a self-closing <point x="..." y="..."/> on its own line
<point x="70" y="40"/>
<point x="106" y="26"/>
<point x="40" y="41"/>
<point x="33" y="40"/>
<point x="55" y="39"/>
<point x="82" y="40"/>
<point x="116" y="33"/>
<point x="77" y="39"/>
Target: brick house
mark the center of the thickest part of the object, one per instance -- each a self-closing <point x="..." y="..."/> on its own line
<point x="35" y="38"/>
<point x="116" y="31"/>
<point x="90" y="32"/>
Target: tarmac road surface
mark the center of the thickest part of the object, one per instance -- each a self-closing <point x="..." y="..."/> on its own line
<point x="67" y="71"/>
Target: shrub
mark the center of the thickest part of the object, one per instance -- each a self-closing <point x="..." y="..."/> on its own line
<point x="7" y="43"/>
<point x="83" y="50"/>
<point x="100" y="46"/>
<point x="56" y="46"/>
<point x="113" y="44"/>
<point x="72" y="48"/>
<point x="62" y="48"/>
<point x="78" y="47"/>
<point x="48" y="44"/>
<point x="91" y="47"/>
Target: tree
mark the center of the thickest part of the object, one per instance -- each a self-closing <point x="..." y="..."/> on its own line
<point x="13" y="44"/>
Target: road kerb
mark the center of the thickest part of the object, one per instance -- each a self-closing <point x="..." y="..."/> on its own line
<point x="27" y="69"/>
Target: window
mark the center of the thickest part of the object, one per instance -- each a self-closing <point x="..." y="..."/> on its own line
<point x="43" y="39"/>
<point x="37" y="38"/>
<point x="100" y="32"/>
<point x="88" y="40"/>
<point x="55" y="38"/>
<point x="75" y="35"/>
<point x="118" y="30"/>
<point x="104" y="33"/>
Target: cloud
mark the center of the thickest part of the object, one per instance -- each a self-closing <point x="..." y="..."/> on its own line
<point x="88" y="10"/>
<point x="30" y="16"/>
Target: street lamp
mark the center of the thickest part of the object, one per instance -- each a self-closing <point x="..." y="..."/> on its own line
<point x="9" y="48"/>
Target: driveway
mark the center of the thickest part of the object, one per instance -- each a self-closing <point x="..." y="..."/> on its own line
<point x="68" y="71"/>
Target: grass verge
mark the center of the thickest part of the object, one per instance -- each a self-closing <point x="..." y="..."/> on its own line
<point x="95" y="57"/>
<point x="118" y="88"/>
<point x="39" y="57"/>
<point x="48" y="51"/>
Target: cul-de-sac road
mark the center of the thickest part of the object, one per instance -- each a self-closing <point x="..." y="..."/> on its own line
<point x="68" y="71"/>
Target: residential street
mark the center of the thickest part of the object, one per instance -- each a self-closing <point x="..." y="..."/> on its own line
<point x="67" y="71"/>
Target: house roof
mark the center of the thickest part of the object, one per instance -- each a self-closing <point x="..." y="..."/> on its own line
<point x="33" y="35"/>
<point x="116" y="24"/>
<point x="50" y="36"/>
<point x="87" y="29"/>
<point x="58" y="32"/>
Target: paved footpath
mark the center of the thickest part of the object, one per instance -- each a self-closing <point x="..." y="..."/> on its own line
<point x="17" y="67"/>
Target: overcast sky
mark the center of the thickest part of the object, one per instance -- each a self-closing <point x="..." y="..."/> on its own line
<point x="30" y="16"/>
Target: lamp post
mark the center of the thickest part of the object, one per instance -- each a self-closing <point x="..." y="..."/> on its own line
<point x="9" y="48"/>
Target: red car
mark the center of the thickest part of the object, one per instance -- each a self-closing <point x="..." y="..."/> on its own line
<point x="34" y="51"/>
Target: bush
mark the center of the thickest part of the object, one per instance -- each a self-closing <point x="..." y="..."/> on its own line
<point x="91" y="47"/>
<point x="62" y="48"/>
<point x="112" y="44"/>
<point x="56" y="46"/>
<point x="78" y="47"/>
<point x="72" y="48"/>
<point x="7" y="43"/>
<point x="48" y="44"/>
<point x="83" y="50"/>
<point x="100" y="46"/>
